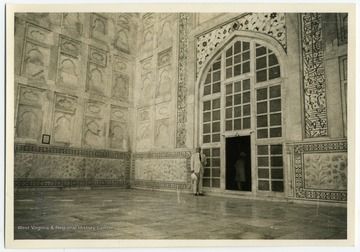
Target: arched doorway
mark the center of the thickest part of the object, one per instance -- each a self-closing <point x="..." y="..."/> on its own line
<point x="240" y="111"/>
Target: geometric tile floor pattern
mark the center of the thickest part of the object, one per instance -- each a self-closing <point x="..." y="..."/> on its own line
<point x="143" y="214"/>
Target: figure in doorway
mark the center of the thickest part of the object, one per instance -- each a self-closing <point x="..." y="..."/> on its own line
<point x="198" y="161"/>
<point x="240" y="171"/>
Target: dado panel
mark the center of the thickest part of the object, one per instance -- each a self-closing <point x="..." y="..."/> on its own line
<point x="61" y="167"/>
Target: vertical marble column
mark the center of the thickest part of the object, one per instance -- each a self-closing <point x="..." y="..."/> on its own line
<point x="182" y="90"/>
<point x="315" y="110"/>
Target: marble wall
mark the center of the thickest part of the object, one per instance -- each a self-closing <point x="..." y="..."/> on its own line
<point x="160" y="102"/>
<point x="155" y="86"/>
<point x="126" y="83"/>
<point x="313" y="104"/>
<point x="73" y="78"/>
<point x="73" y="83"/>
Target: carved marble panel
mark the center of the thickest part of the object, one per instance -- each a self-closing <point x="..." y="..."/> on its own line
<point x="121" y="64"/>
<point x="98" y="27"/>
<point x="321" y="170"/>
<point x="29" y="113"/>
<point x="162" y="110"/>
<point x="143" y="114"/>
<point x="31" y="96"/>
<point x="163" y="136"/>
<point x="147" y="41"/>
<point x="146" y="65"/>
<point x="143" y="135"/>
<point x="68" y="70"/>
<point x="72" y="22"/>
<point x="146" y="86"/>
<point x="164" y="83"/>
<point x="161" y="169"/>
<point x="120" y="86"/>
<point x="44" y="19"/>
<point x="118" y="113"/>
<point x="63" y="126"/>
<point x="39" y="34"/>
<point x="121" y="39"/>
<point x="94" y="108"/>
<point x="148" y="19"/>
<point x="326" y="171"/>
<point x="166" y="32"/>
<point x="97" y="56"/>
<point x="69" y="46"/>
<point x="123" y="19"/>
<point x="29" y="122"/>
<point x="65" y="103"/>
<point x="96" y="78"/>
<point x="93" y="133"/>
<point x="118" y="135"/>
<point x="164" y="57"/>
<point x="65" y="107"/>
<point x="35" y="61"/>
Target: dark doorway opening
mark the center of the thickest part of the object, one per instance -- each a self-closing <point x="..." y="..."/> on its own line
<point x="235" y="146"/>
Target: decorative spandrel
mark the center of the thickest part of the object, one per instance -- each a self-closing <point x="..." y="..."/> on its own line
<point x="271" y="24"/>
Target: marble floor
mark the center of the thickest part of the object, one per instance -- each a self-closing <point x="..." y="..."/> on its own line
<point x="141" y="214"/>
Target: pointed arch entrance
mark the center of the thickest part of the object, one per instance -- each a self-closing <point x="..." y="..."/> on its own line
<point x="240" y="105"/>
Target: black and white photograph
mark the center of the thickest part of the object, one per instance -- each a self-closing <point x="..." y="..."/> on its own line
<point x="180" y="125"/>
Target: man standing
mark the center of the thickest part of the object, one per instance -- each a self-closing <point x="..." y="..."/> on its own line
<point x="240" y="171"/>
<point x="198" y="161"/>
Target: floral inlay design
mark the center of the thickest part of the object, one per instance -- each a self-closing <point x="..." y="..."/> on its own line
<point x="71" y="167"/>
<point x="166" y="169"/>
<point x="321" y="171"/>
<point x="326" y="171"/>
<point x="271" y="24"/>
<point x="36" y="166"/>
